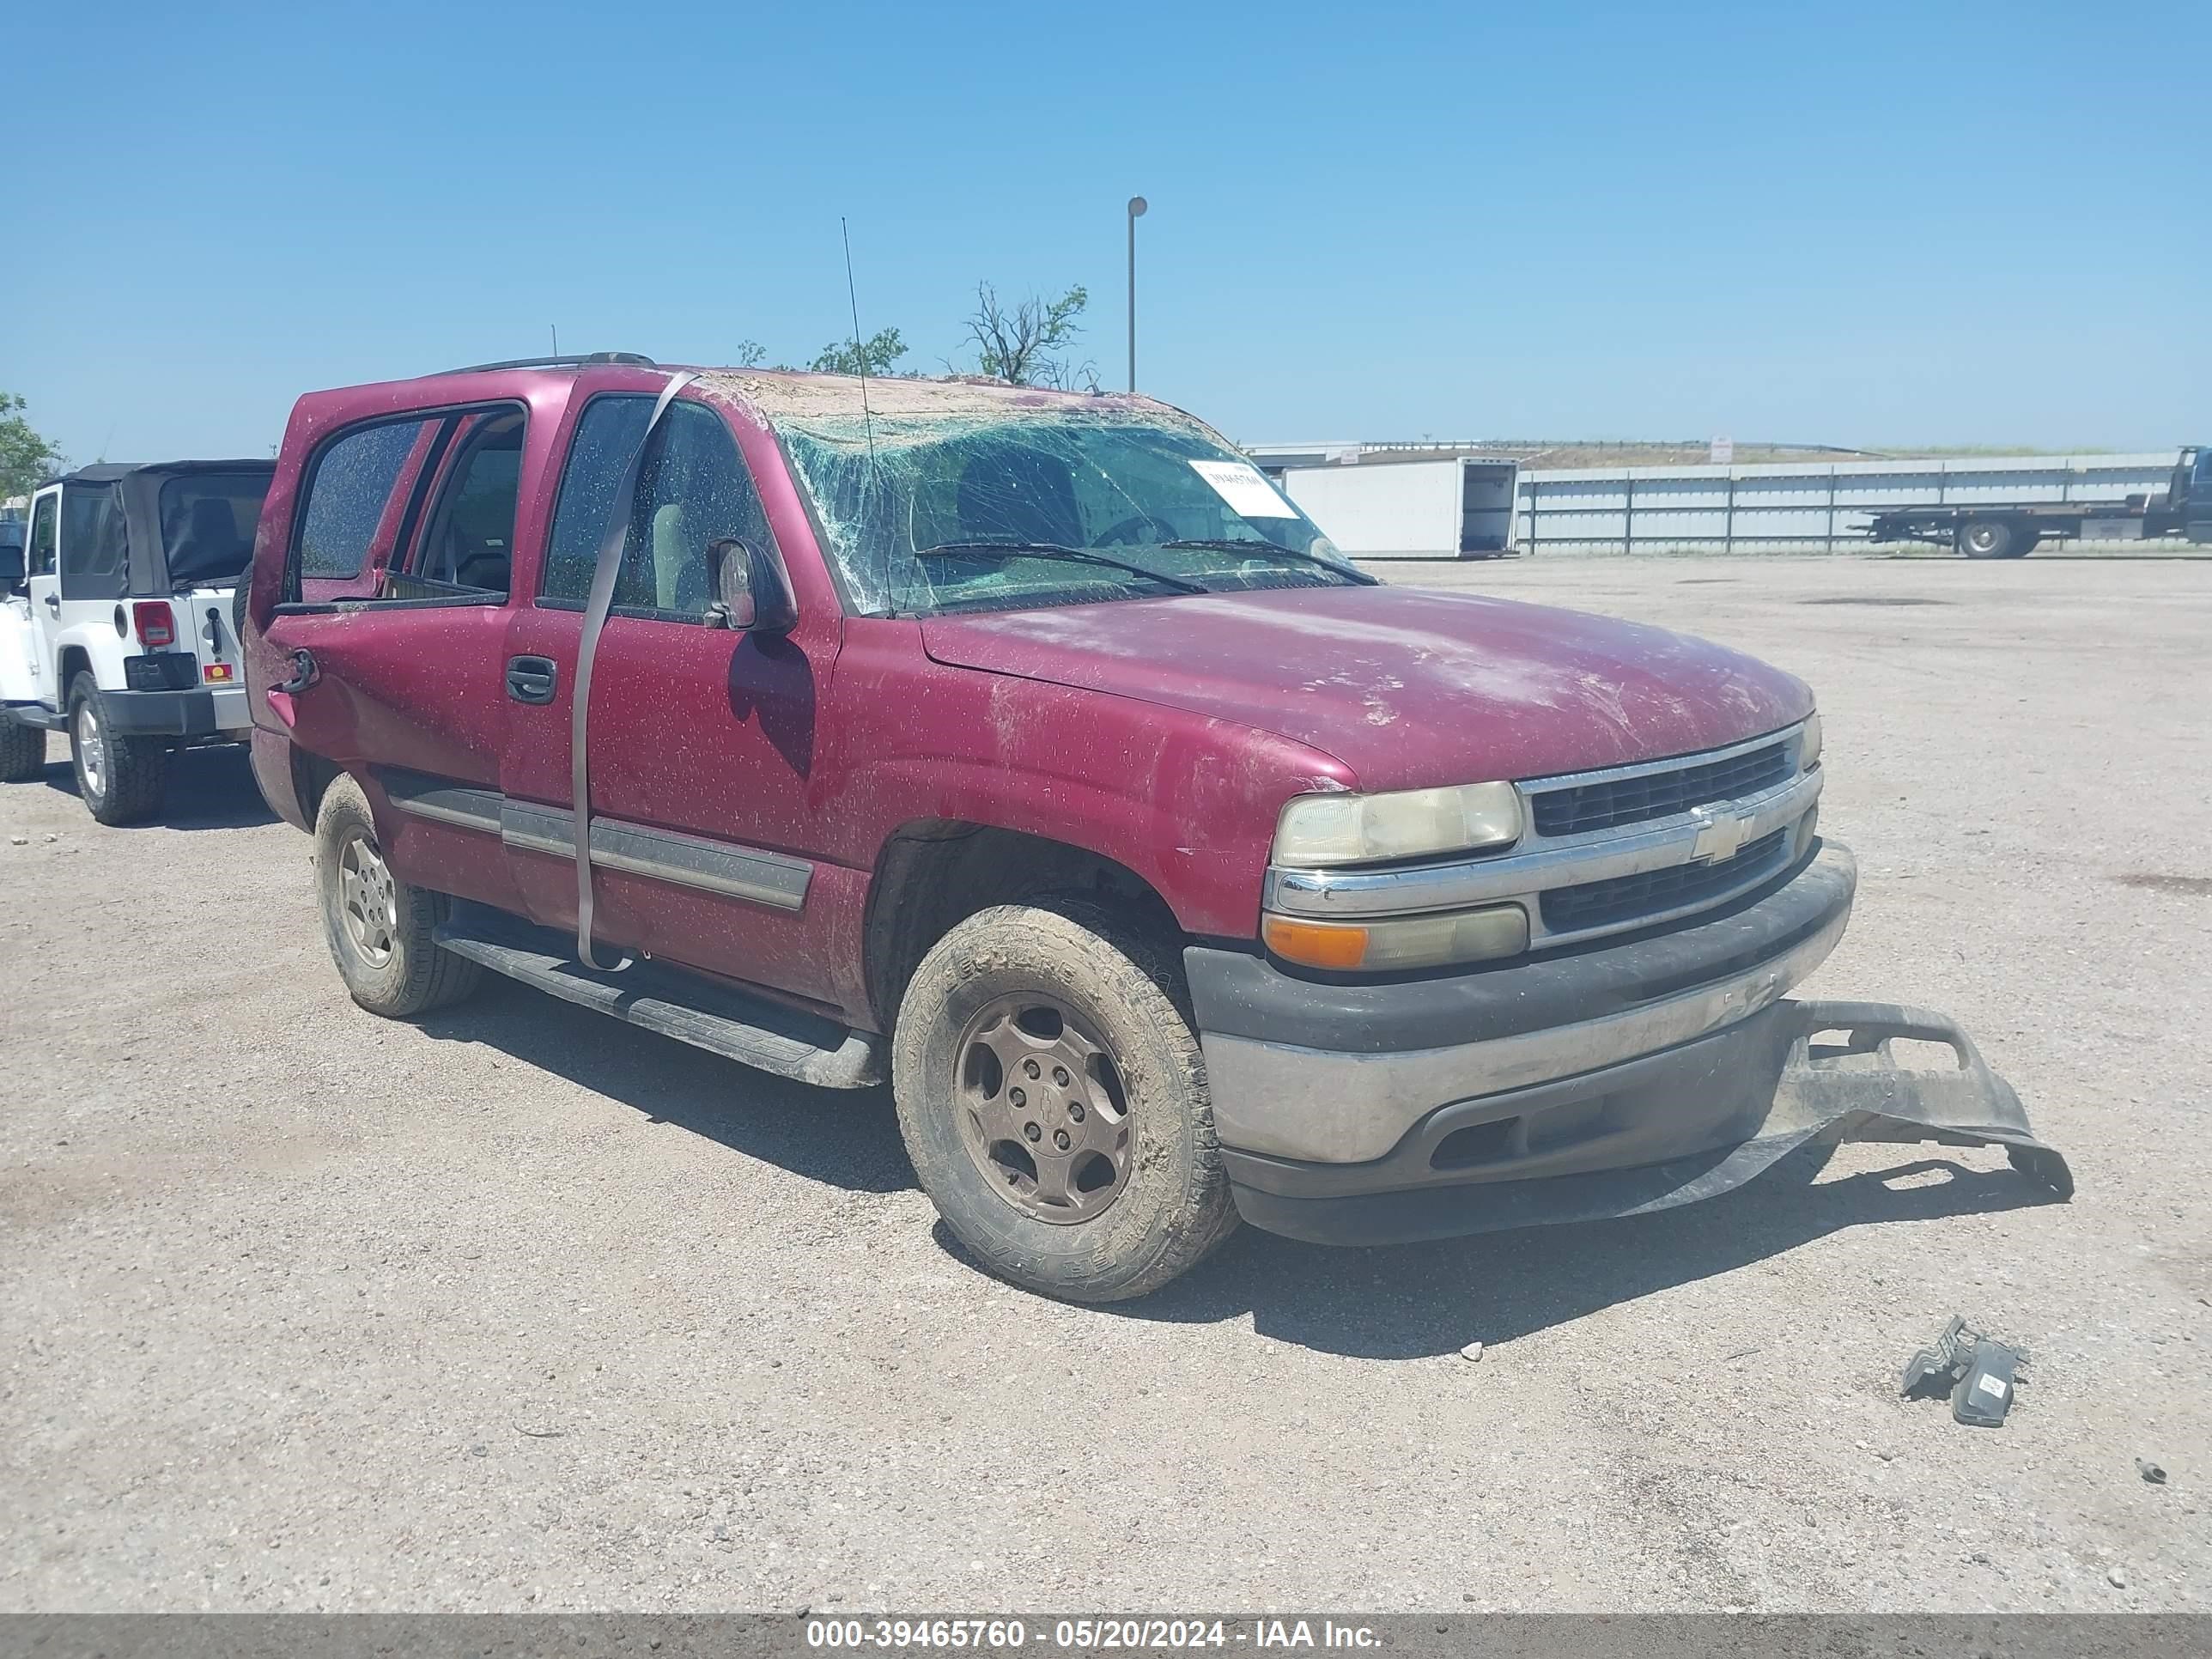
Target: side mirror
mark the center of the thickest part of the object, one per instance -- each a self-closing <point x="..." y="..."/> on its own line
<point x="11" y="567"/>
<point x="752" y="589"/>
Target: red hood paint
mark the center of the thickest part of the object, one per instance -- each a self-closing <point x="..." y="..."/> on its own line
<point x="1408" y="689"/>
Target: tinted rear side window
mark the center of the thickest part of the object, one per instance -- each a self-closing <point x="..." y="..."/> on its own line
<point x="346" y="499"/>
<point x="208" y="520"/>
<point x="95" y="548"/>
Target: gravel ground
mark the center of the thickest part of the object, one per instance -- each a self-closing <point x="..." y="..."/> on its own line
<point x="516" y="1308"/>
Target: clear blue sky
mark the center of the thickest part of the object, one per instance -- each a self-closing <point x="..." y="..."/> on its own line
<point x="1866" y="224"/>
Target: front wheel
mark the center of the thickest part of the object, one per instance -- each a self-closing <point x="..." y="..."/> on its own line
<point x="22" y="750"/>
<point x="381" y="930"/>
<point x="120" y="778"/>
<point x="1054" y="1099"/>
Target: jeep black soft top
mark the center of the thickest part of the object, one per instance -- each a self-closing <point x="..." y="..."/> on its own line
<point x="173" y="524"/>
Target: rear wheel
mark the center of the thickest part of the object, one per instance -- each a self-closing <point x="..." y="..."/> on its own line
<point x="22" y="751"/>
<point x="381" y="929"/>
<point x="120" y="778"/>
<point x="1053" y="1100"/>
<point x="1990" y="539"/>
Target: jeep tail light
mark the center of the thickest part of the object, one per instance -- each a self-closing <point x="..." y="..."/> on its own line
<point x="154" y="623"/>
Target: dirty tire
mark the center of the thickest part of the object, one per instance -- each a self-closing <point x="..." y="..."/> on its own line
<point x="22" y="751"/>
<point x="1990" y="538"/>
<point x="119" y="779"/>
<point x="1172" y="1206"/>
<point x="397" y="970"/>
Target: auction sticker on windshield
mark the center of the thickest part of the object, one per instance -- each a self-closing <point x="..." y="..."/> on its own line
<point x="1245" y="488"/>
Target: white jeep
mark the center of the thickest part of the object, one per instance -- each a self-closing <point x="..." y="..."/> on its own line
<point x="117" y="625"/>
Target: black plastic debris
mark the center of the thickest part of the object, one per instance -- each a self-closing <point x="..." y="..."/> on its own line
<point x="1979" y="1373"/>
<point x="2150" y="1472"/>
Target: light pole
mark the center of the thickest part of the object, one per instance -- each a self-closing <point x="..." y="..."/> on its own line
<point x="1137" y="205"/>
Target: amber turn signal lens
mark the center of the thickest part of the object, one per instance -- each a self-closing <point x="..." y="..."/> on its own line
<point x="1316" y="944"/>
<point x="1399" y="942"/>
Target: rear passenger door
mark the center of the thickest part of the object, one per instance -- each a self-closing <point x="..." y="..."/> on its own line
<point x="702" y="739"/>
<point x="395" y="641"/>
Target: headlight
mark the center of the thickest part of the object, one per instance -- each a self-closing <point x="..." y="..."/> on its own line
<point x="1399" y="942"/>
<point x="1346" y="828"/>
<point x="1808" y="746"/>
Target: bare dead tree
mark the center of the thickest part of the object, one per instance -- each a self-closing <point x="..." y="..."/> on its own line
<point x="1020" y="342"/>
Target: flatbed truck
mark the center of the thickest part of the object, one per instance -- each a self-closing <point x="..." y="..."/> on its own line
<point x="1998" y="530"/>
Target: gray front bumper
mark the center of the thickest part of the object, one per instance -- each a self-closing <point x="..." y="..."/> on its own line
<point x="1751" y="1094"/>
<point x="1601" y="1081"/>
<point x="1340" y="1073"/>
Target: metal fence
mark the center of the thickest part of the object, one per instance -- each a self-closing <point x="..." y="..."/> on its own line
<point x="1795" y="506"/>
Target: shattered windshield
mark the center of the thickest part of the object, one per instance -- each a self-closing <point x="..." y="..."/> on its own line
<point x="995" y="512"/>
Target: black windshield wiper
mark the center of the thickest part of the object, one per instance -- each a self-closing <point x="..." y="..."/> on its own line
<point x="1246" y="544"/>
<point x="1055" y="551"/>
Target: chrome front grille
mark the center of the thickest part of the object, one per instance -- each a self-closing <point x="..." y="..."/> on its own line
<point x="1640" y="797"/>
<point x="1624" y="901"/>
<point x="1605" y="852"/>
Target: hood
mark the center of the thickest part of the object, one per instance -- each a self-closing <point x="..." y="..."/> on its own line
<point x="1408" y="689"/>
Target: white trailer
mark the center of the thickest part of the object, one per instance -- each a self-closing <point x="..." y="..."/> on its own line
<point x="1458" y="506"/>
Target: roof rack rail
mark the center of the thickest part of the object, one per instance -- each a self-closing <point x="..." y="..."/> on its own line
<point x="590" y="359"/>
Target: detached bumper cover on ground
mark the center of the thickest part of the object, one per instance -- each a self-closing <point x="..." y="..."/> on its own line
<point x="1610" y="1083"/>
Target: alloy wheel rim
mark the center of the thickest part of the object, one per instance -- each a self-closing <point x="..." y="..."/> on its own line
<point x="91" y="750"/>
<point x="1042" y="1108"/>
<point x="368" y="900"/>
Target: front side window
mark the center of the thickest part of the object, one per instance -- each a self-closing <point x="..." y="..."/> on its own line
<point x="348" y="494"/>
<point x="208" y="520"/>
<point x="1055" y="507"/>
<point x="43" y="541"/>
<point x="96" y="548"/>
<point x="693" y="491"/>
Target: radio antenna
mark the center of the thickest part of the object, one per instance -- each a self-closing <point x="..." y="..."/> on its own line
<point x="859" y="357"/>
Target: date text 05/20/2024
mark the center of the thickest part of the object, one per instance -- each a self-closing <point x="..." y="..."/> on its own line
<point x="1087" y="1635"/>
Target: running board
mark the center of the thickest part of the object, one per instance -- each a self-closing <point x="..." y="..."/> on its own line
<point x="37" y="716"/>
<point x="717" y="1017"/>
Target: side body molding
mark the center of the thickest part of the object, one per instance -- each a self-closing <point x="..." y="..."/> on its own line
<point x="752" y="874"/>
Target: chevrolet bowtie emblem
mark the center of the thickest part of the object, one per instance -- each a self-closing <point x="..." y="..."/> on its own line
<point x="1720" y="833"/>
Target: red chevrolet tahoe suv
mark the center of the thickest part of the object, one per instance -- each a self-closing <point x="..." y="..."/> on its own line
<point x="1033" y="750"/>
